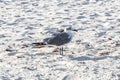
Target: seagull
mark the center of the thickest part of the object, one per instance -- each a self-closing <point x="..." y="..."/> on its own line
<point x="59" y="39"/>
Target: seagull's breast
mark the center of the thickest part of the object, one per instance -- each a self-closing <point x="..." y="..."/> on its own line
<point x="69" y="35"/>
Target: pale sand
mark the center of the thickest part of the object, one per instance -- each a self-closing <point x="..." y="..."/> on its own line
<point x="93" y="53"/>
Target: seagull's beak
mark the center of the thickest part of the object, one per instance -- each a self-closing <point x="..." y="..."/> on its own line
<point x="75" y="30"/>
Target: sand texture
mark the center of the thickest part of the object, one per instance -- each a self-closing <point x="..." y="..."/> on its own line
<point x="92" y="54"/>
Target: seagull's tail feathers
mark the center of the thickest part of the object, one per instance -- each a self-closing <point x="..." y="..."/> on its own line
<point x="39" y="43"/>
<point x="45" y="42"/>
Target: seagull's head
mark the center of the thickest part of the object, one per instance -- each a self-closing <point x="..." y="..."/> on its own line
<point x="65" y="29"/>
<point x="69" y="28"/>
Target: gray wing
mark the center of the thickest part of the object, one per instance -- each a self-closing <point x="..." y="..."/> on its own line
<point x="59" y="39"/>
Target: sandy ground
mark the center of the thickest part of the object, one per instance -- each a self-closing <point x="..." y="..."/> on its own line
<point x="92" y="54"/>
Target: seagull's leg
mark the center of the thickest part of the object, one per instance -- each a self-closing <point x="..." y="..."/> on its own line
<point x="62" y="50"/>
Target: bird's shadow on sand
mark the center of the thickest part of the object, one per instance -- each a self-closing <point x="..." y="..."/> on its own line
<point x="86" y="58"/>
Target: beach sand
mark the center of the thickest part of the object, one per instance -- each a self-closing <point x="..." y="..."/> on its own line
<point x="92" y="54"/>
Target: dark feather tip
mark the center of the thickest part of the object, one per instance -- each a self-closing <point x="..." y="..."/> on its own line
<point x="39" y="43"/>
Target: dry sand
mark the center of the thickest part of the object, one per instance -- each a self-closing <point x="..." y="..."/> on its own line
<point x="92" y="54"/>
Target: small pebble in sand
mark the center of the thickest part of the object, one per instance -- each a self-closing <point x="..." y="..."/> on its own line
<point x="20" y="56"/>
